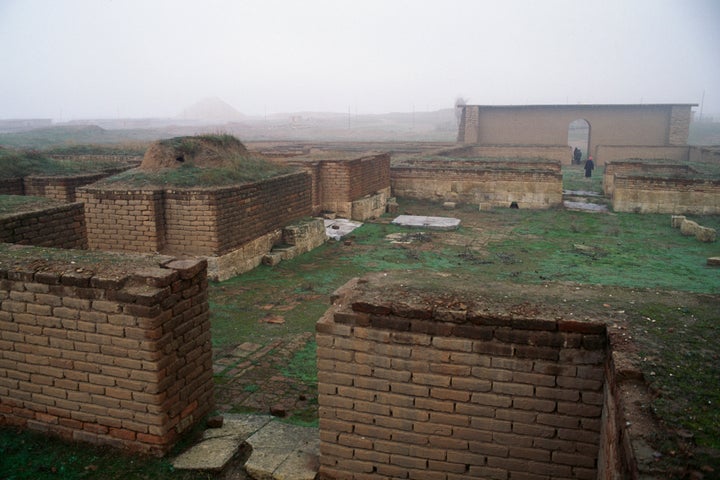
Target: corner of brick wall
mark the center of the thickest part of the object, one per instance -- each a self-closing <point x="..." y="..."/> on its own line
<point x="423" y="391"/>
<point x="122" y="360"/>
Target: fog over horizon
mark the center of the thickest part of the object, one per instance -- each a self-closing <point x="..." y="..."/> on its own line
<point x="78" y="59"/>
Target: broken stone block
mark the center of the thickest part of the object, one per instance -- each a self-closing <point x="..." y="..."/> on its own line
<point x="706" y="234"/>
<point x="676" y="220"/>
<point x="713" y="262"/>
<point x="272" y="259"/>
<point x="689" y="228"/>
<point x="449" y="205"/>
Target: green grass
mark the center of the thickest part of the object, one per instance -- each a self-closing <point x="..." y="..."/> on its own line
<point x="10" y="204"/>
<point x="34" y="456"/>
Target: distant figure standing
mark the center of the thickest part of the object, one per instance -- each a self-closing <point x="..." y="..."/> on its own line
<point x="577" y="155"/>
<point x="589" y="166"/>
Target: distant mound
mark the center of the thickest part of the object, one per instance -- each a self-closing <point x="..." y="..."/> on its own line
<point x="202" y="151"/>
<point x="212" y="110"/>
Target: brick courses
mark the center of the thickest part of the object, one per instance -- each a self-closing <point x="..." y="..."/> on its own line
<point x="123" y="359"/>
<point x="61" y="226"/>
<point x="522" y="397"/>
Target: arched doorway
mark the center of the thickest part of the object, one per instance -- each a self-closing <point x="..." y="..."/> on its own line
<point x="579" y="137"/>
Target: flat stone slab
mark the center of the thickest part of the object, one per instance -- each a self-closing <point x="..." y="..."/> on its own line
<point x="339" y="227"/>
<point x="430" y="223"/>
<point x="219" y="445"/>
<point x="284" y="452"/>
<point x="713" y="261"/>
<point x="585" y="206"/>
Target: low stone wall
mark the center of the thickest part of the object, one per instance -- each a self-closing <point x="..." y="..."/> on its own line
<point x="436" y="390"/>
<point x="605" y="154"/>
<point x="642" y="194"/>
<point x="554" y="153"/>
<point x="294" y="240"/>
<point x="109" y="349"/>
<point x="477" y="184"/>
<point x="641" y="166"/>
<point x="61" y="226"/>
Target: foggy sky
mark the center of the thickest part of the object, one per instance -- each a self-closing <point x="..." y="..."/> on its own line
<point x="70" y="59"/>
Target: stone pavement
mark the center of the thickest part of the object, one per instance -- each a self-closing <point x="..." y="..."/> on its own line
<point x="249" y="378"/>
<point x="278" y="451"/>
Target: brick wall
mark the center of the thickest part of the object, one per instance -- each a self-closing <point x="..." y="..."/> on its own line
<point x="57" y="227"/>
<point x="338" y="181"/>
<point x="650" y="194"/>
<point x="123" y="220"/>
<point x="440" y="389"/>
<point x="477" y="184"/>
<point x="108" y="356"/>
<point x="247" y="212"/>
<point x="11" y="186"/>
<point x="195" y="222"/>
<point x="62" y="188"/>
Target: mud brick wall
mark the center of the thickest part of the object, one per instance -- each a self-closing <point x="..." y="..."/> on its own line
<point x="483" y="163"/>
<point x="705" y="155"/>
<point x="59" y="188"/>
<point x="11" y="186"/>
<point x="190" y="222"/>
<point x="338" y="182"/>
<point x="368" y="175"/>
<point x="253" y="210"/>
<point x="647" y="167"/>
<point x="62" y="226"/>
<point x="485" y="187"/>
<point x="123" y="220"/>
<point x="412" y="391"/>
<point x="122" y="359"/>
<point x="642" y="194"/>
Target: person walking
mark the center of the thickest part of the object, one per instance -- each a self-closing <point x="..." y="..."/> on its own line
<point x="589" y="166"/>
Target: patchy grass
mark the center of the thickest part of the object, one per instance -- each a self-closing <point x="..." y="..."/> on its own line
<point x="239" y="169"/>
<point x="17" y="163"/>
<point x="10" y="204"/>
<point x="34" y="456"/>
<point x="574" y="178"/>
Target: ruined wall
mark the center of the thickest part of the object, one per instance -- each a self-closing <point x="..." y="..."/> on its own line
<point x="249" y="211"/>
<point x="121" y="358"/>
<point x="355" y="188"/>
<point x="475" y="184"/>
<point x="414" y="391"/>
<point x="59" y="188"/>
<point x="544" y="153"/>
<point x="11" y="186"/>
<point x="212" y="221"/>
<point x="610" y="153"/>
<point x="638" y="166"/>
<point x="651" y="194"/>
<point x="61" y="226"/>
<point x="705" y="155"/>
<point x="124" y="220"/>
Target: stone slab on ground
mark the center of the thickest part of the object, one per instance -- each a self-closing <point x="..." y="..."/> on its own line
<point x="585" y="206"/>
<point x="713" y="261"/>
<point x="430" y="223"/>
<point x="339" y="227"/>
<point x="219" y="445"/>
<point x="284" y="452"/>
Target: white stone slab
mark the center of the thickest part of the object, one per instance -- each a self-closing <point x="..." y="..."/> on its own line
<point x="339" y="227"/>
<point x="430" y="223"/>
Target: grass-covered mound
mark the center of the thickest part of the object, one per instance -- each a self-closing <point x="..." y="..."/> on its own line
<point x="198" y="161"/>
<point x="20" y="163"/>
